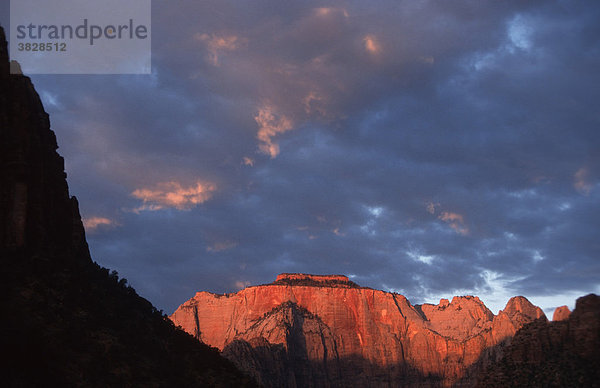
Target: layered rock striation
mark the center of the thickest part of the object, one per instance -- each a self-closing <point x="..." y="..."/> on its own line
<point x="309" y="330"/>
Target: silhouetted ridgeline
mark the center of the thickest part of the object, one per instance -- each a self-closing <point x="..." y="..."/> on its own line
<point x="65" y="320"/>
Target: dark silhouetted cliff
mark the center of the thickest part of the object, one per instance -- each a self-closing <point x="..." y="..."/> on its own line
<point x="65" y="320"/>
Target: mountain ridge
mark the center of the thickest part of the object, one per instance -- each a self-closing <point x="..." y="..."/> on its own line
<point x="347" y="333"/>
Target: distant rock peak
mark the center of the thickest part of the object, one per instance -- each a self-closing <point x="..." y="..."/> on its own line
<point x="519" y="305"/>
<point x="302" y="279"/>
<point x="561" y="313"/>
<point x="563" y="353"/>
<point x="458" y="302"/>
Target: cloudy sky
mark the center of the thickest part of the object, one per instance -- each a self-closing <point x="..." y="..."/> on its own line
<point x="432" y="148"/>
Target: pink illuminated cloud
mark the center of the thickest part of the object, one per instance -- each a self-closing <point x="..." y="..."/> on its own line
<point x="270" y="124"/>
<point x="582" y="183"/>
<point x="92" y="223"/>
<point x="372" y="45"/>
<point x="174" y="195"/>
<point x="456" y="222"/>
<point x="216" y="44"/>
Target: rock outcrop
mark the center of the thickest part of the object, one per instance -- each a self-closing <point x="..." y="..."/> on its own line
<point x="561" y="353"/>
<point x="314" y="280"/>
<point x="36" y="212"/>
<point x="66" y="321"/>
<point x="319" y="331"/>
<point x="561" y="313"/>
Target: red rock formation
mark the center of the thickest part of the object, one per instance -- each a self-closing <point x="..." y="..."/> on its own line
<point x="561" y="313"/>
<point x="464" y="317"/>
<point x="343" y="334"/>
<point x="519" y="309"/>
<point x="316" y="278"/>
<point x="562" y="353"/>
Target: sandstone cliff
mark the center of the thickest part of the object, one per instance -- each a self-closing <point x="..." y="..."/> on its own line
<point x="66" y="321"/>
<point x="561" y="313"/>
<point x="562" y="353"/>
<point x="318" y="331"/>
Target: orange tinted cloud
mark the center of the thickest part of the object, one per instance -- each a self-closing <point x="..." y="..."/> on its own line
<point x="337" y="232"/>
<point x="582" y="183"/>
<point x="92" y="223"/>
<point x="270" y="124"/>
<point x="317" y="104"/>
<point x="456" y="222"/>
<point x="248" y="161"/>
<point x="327" y="11"/>
<point x="324" y="11"/>
<point x="372" y="45"/>
<point x="216" y="44"/>
<point x="174" y="195"/>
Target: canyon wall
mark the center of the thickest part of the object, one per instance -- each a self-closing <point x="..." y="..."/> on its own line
<point x="317" y="331"/>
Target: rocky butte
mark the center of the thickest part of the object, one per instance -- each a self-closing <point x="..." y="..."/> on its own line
<point x="326" y="331"/>
<point x="561" y="313"/>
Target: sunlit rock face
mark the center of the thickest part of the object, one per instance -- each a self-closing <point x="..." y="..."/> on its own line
<point x="310" y="330"/>
<point x="561" y="313"/>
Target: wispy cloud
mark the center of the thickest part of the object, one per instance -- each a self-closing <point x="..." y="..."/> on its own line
<point x="337" y="232"/>
<point x="581" y="181"/>
<point x="91" y="224"/>
<point x="174" y="195"/>
<point x="372" y="45"/>
<point x="456" y="222"/>
<point x="328" y="11"/>
<point x="270" y="124"/>
<point x="216" y="44"/>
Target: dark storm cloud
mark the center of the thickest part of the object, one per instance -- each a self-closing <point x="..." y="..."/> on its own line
<point x="431" y="148"/>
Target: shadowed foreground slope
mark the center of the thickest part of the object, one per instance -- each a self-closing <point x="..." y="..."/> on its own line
<point x="564" y="353"/>
<point x="65" y="320"/>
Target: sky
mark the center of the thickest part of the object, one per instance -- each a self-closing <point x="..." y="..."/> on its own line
<point x="430" y="148"/>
